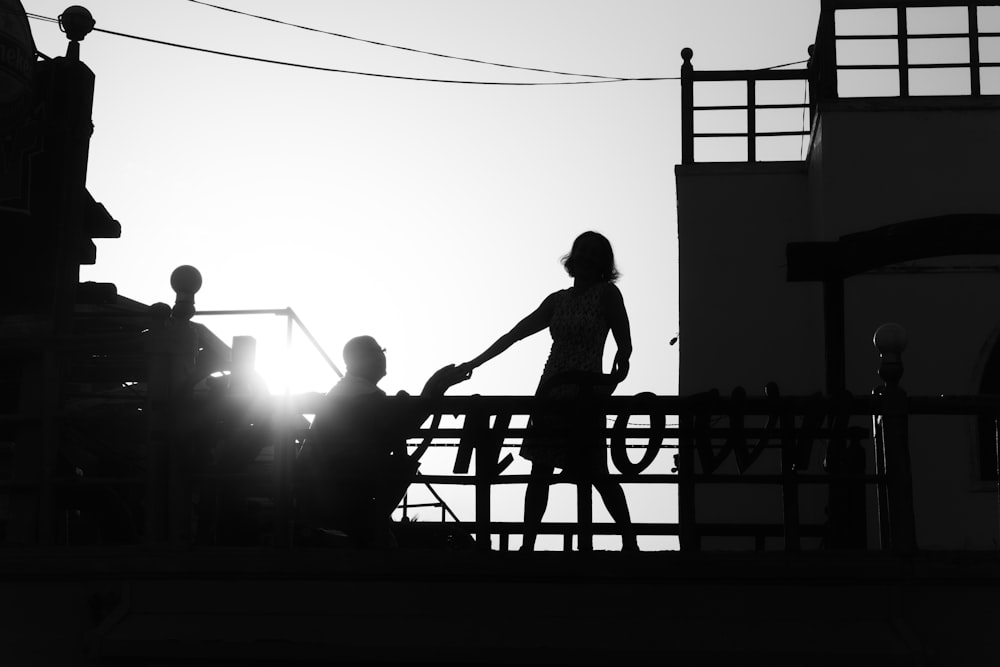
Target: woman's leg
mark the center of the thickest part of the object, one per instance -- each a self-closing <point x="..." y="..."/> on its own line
<point x="536" y="499"/>
<point x="614" y="499"/>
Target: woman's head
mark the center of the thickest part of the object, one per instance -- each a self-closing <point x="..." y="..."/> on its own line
<point x="591" y="257"/>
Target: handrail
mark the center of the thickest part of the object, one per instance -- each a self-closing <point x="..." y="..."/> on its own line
<point x="822" y="72"/>
<point x="705" y="424"/>
<point x="707" y="433"/>
<point x="827" y="39"/>
<point x="689" y="107"/>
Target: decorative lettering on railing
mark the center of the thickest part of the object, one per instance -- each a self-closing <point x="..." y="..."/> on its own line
<point x="485" y="441"/>
<point x="711" y="430"/>
<point x="818" y="418"/>
<point x="657" y="433"/>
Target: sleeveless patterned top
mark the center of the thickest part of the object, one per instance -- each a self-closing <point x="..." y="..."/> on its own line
<point x="579" y="332"/>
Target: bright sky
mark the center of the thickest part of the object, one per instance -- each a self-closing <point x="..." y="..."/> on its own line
<point x="430" y="215"/>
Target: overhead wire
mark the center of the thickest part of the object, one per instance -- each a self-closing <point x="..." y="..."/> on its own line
<point x="396" y="46"/>
<point x="39" y="17"/>
<point x="337" y="70"/>
<point x="596" y="79"/>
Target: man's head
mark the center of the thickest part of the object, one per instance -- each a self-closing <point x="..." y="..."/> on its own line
<point x="365" y="358"/>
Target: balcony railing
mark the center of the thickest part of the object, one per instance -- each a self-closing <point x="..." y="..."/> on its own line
<point x="845" y="445"/>
<point x="152" y="461"/>
<point x="863" y="49"/>
<point x="743" y="117"/>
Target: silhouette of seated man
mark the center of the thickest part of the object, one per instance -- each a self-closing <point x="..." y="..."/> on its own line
<point x="353" y="468"/>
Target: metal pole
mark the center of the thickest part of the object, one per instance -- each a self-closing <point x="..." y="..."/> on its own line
<point x="751" y="120"/>
<point x="687" y="107"/>
<point x="904" y="50"/>
<point x="996" y="444"/>
<point x="974" y="72"/>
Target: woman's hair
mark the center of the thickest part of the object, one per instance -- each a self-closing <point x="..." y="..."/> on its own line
<point x="591" y="251"/>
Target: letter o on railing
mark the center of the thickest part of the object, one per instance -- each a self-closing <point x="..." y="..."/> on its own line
<point x="619" y="452"/>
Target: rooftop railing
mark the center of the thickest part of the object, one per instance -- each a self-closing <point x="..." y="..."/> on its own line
<point x="848" y="448"/>
<point x="863" y="49"/>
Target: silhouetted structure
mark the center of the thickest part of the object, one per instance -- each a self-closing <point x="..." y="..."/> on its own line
<point x="148" y="512"/>
<point x="883" y="209"/>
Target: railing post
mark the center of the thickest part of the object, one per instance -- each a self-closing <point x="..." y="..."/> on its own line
<point x="903" y="46"/>
<point x="487" y="443"/>
<point x="685" y="483"/>
<point x="484" y="478"/>
<point x="890" y="340"/>
<point x="881" y="483"/>
<point x="996" y="452"/>
<point x="476" y="428"/>
<point x="585" y="515"/>
<point x="826" y="53"/>
<point x="975" y="87"/>
<point x="812" y="83"/>
<point x="579" y="435"/>
<point x="751" y="119"/>
<point x="687" y="107"/>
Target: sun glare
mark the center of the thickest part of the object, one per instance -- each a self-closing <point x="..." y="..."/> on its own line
<point x="285" y="359"/>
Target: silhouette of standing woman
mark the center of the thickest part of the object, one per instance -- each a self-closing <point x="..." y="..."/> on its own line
<point x="578" y="318"/>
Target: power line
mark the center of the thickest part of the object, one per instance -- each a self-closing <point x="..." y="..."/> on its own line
<point x="396" y="46"/>
<point x="320" y="68"/>
<point x="346" y="71"/>
<point x="399" y="77"/>
<point x="39" y="17"/>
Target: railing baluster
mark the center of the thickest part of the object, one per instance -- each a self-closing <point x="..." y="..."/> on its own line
<point x="689" y="540"/>
<point x="826" y="53"/>
<point x="890" y="340"/>
<point x="996" y="449"/>
<point x="975" y="86"/>
<point x="585" y="515"/>
<point x="903" y="48"/>
<point x="687" y="107"/>
<point x="751" y="119"/>
<point x="882" y="489"/>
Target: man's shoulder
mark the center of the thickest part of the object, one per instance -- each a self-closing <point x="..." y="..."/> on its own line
<point x="353" y="387"/>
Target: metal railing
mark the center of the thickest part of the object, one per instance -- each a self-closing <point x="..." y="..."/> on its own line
<point x="717" y="442"/>
<point x="771" y="440"/>
<point x="822" y="77"/>
<point x="692" y="111"/>
<point x="160" y="450"/>
<point x="829" y="39"/>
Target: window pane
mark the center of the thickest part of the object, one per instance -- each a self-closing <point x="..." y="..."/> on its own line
<point x="940" y="82"/>
<point x="868" y="83"/>
<point x="720" y="150"/>
<point x="924" y="20"/>
<point x="865" y="21"/>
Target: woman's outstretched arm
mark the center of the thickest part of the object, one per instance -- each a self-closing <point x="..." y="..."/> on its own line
<point x="532" y="324"/>
<point x="617" y="316"/>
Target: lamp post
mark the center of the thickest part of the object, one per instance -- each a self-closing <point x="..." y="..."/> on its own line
<point x="76" y="22"/>
<point x="893" y="454"/>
